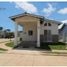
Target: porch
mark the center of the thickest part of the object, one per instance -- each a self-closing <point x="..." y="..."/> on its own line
<point x="31" y="30"/>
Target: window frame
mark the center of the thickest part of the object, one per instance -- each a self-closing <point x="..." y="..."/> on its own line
<point x="45" y="24"/>
<point x="30" y="32"/>
<point x="49" y="24"/>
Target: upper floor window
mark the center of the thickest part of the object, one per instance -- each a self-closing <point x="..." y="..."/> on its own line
<point x="45" y="24"/>
<point x="49" y="24"/>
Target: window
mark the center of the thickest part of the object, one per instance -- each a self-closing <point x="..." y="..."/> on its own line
<point x="30" y="32"/>
<point x="45" y="24"/>
<point x="49" y="24"/>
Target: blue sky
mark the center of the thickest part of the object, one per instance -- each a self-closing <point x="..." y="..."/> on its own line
<point x="51" y="10"/>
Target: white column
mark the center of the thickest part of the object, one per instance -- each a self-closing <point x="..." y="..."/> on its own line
<point x="64" y="37"/>
<point x="16" y="34"/>
<point x="38" y="34"/>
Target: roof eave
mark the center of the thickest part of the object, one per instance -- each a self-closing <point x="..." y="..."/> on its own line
<point x="20" y="15"/>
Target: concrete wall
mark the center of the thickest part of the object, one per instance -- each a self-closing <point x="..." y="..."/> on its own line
<point x="22" y="20"/>
<point x="63" y="34"/>
<point x="25" y="36"/>
<point x="54" y="32"/>
<point x="53" y="28"/>
<point x="30" y="23"/>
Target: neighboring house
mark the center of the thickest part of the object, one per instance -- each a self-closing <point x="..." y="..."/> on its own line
<point x="1" y="34"/>
<point x="63" y="32"/>
<point x="36" y="29"/>
<point x="6" y="34"/>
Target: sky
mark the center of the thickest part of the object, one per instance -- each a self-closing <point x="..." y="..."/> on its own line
<point x="51" y="10"/>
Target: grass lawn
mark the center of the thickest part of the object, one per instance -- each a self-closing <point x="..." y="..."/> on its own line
<point x="58" y="47"/>
<point x="51" y="46"/>
<point x="10" y="44"/>
<point x="46" y="46"/>
<point x="1" y="49"/>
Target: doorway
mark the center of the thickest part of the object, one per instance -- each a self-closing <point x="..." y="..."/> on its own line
<point x="47" y="36"/>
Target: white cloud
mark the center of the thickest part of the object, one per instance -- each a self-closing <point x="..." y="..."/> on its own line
<point x="64" y="21"/>
<point x="63" y="11"/>
<point x="48" y="11"/>
<point x="28" y="7"/>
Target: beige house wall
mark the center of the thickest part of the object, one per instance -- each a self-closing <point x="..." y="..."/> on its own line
<point x="28" y="23"/>
<point x="25" y="36"/>
<point x="53" y="28"/>
<point x="26" y="19"/>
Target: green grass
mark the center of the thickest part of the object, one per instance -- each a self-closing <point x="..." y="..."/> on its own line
<point x="57" y="47"/>
<point x="46" y="46"/>
<point x="1" y="49"/>
<point x="10" y="44"/>
<point x="51" y="46"/>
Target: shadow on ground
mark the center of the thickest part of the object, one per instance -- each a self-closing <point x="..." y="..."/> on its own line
<point x="43" y="46"/>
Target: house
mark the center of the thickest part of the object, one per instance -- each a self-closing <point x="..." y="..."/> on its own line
<point x="2" y="34"/>
<point x="36" y="29"/>
<point x="62" y="32"/>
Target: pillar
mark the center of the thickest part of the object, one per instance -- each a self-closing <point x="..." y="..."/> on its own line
<point x="16" y="35"/>
<point x="38" y="34"/>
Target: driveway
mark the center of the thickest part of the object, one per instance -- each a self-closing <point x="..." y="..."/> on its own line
<point x="15" y="57"/>
<point x="30" y="58"/>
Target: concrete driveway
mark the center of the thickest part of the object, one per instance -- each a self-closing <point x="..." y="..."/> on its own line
<point x="30" y="58"/>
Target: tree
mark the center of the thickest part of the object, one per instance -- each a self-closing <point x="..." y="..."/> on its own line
<point x="9" y="34"/>
<point x="1" y="28"/>
<point x="7" y="30"/>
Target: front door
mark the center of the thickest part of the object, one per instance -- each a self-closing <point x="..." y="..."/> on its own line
<point x="47" y="36"/>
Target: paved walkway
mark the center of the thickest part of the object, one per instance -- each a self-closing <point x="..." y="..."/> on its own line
<point x="2" y="45"/>
<point x="3" y="42"/>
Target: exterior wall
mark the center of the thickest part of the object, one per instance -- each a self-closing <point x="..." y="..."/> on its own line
<point x="55" y="38"/>
<point x="29" y="23"/>
<point x="22" y="20"/>
<point x="53" y="28"/>
<point x="63" y="34"/>
<point x="2" y="34"/>
<point x="25" y="36"/>
<point x="54" y="31"/>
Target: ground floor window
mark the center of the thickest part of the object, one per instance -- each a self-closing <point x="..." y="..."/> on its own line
<point x="30" y="32"/>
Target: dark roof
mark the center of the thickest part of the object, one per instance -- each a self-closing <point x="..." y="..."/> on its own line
<point x="37" y="16"/>
<point x="25" y="14"/>
<point x="48" y="20"/>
